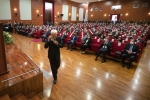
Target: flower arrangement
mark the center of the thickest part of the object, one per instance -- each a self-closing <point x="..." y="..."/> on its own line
<point x="7" y="38"/>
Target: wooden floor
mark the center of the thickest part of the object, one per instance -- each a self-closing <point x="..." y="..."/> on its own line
<point x="82" y="78"/>
<point x="18" y="63"/>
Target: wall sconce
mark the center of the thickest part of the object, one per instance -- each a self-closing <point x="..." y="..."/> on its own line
<point x="121" y="14"/>
<point x="149" y="13"/>
<point x="69" y="15"/>
<point x="58" y="14"/>
<point x="105" y="14"/>
<point x="92" y="15"/>
<point x="127" y="14"/>
<point x="15" y="9"/>
<point x="37" y="11"/>
<point x="77" y="15"/>
<point x="15" y="14"/>
<point x="39" y="15"/>
<point x="109" y="15"/>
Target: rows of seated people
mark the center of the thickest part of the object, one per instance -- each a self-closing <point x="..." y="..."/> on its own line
<point x="110" y="39"/>
<point x="40" y="31"/>
<point x="99" y="37"/>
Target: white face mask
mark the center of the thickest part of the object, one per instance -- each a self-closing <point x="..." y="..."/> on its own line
<point x="131" y="42"/>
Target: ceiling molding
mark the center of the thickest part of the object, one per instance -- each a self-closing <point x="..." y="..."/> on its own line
<point x="85" y="1"/>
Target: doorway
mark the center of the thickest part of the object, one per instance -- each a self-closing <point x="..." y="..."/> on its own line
<point x="48" y="13"/>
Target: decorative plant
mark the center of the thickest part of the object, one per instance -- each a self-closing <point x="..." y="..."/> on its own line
<point x="7" y="38"/>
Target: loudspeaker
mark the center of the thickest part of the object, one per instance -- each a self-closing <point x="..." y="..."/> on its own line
<point x="61" y="15"/>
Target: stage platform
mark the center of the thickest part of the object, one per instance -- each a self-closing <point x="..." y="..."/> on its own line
<point x="24" y="75"/>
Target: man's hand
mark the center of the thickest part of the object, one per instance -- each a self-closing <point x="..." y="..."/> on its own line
<point x="129" y="52"/>
<point x="55" y="42"/>
<point x="106" y="42"/>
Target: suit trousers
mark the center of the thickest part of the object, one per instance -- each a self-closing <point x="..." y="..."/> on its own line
<point x="83" y="47"/>
<point x="55" y="64"/>
<point x="130" y="56"/>
<point x="103" y="51"/>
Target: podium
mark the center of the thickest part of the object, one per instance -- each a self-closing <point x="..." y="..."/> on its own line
<point x="3" y="64"/>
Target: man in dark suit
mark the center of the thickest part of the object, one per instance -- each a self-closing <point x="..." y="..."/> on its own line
<point x="130" y="52"/>
<point x="45" y="35"/>
<point x="72" y="42"/>
<point x="86" y="44"/>
<point x="104" y="48"/>
<point x="53" y="44"/>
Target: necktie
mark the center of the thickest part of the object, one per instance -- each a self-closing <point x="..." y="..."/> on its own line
<point x="130" y="49"/>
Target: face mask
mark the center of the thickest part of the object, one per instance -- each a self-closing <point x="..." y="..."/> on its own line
<point x="131" y="42"/>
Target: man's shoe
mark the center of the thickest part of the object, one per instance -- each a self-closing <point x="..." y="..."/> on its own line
<point x="83" y="51"/>
<point x="54" y="81"/>
<point x="123" y="64"/>
<point x="103" y="61"/>
<point x="128" y="66"/>
<point x="95" y="59"/>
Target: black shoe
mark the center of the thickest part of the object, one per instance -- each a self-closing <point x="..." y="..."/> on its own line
<point x="128" y="66"/>
<point x="123" y="64"/>
<point x="103" y="61"/>
<point x="54" y="81"/>
<point x="95" y="59"/>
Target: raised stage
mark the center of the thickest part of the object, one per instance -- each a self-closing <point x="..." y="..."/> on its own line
<point x="24" y="75"/>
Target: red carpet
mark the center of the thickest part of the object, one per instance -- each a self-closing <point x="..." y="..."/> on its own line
<point x="37" y="40"/>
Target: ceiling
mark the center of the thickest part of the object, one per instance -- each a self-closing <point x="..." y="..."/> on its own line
<point x="85" y="1"/>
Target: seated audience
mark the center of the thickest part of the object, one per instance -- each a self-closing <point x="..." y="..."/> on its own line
<point x="119" y="39"/>
<point x="86" y="44"/>
<point x="72" y="42"/>
<point x="104" y="48"/>
<point x="30" y="34"/>
<point x="130" y="52"/>
<point x="45" y="35"/>
<point x="63" y="36"/>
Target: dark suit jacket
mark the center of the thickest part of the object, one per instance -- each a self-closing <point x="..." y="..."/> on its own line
<point x="89" y="42"/>
<point x="74" y="39"/>
<point x="53" y="49"/>
<point x="134" y="49"/>
<point x="109" y="45"/>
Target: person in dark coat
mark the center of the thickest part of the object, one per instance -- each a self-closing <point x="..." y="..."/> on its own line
<point x="104" y="48"/>
<point x="54" y="44"/>
<point x="130" y="52"/>
<point x="86" y="44"/>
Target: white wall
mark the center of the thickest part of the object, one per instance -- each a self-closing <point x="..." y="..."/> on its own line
<point x="81" y="11"/>
<point x="25" y="10"/>
<point x="74" y="13"/>
<point x="65" y="12"/>
<point x="5" y="10"/>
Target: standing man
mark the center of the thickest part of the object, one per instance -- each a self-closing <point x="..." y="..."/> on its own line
<point x="53" y="44"/>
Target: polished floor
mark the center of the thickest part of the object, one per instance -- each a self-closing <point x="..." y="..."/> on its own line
<point x="18" y="63"/>
<point x="82" y="78"/>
